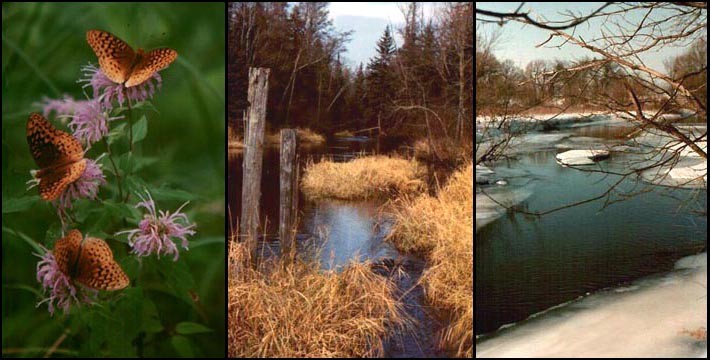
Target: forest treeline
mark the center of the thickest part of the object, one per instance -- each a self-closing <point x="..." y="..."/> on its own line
<point x="422" y="87"/>
<point x="503" y="87"/>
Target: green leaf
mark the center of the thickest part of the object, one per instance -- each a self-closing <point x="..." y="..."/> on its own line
<point x="167" y="193"/>
<point x="116" y="133"/>
<point x="126" y="323"/>
<point x="187" y="328"/>
<point x="18" y="204"/>
<point x="178" y="277"/>
<point x="120" y="210"/>
<point x="140" y="129"/>
<point x="33" y="244"/>
<point x="183" y="346"/>
<point x="206" y="241"/>
<point x="54" y="233"/>
<point x="151" y="318"/>
<point x="125" y="163"/>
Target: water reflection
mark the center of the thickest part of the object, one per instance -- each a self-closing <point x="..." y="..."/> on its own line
<point x="348" y="230"/>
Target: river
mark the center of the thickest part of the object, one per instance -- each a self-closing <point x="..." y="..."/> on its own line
<point x="337" y="232"/>
<point x="526" y="264"/>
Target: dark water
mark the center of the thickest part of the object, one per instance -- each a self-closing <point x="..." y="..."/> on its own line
<point x="528" y="264"/>
<point x="337" y="232"/>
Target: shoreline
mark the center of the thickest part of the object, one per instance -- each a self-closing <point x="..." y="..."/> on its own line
<point x="651" y="317"/>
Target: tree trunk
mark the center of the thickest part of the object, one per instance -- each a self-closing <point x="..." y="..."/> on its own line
<point x="288" y="178"/>
<point x="253" y="152"/>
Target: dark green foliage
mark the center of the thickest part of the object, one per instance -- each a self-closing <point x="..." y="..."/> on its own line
<point x="171" y="308"/>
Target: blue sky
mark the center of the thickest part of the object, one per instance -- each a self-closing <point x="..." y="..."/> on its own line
<point x="519" y="40"/>
<point x="368" y="21"/>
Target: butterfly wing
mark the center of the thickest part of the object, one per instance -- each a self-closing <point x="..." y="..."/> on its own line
<point x="115" y="56"/>
<point x="53" y="181"/>
<point x="153" y="61"/>
<point x="50" y="146"/>
<point x="97" y="268"/>
<point x="66" y="250"/>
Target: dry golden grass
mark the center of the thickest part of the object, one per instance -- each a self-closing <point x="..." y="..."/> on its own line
<point x="446" y="150"/>
<point x="296" y="310"/>
<point x="305" y="137"/>
<point x="362" y="178"/>
<point x="441" y="228"/>
<point x="345" y="133"/>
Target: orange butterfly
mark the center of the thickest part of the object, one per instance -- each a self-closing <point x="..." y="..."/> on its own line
<point x="59" y="155"/>
<point x="121" y="64"/>
<point x="89" y="262"/>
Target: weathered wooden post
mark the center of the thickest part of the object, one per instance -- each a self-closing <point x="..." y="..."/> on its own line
<point x="253" y="155"/>
<point x="288" y="185"/>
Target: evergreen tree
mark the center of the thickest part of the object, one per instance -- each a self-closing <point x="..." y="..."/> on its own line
<point x="379" y="79"/>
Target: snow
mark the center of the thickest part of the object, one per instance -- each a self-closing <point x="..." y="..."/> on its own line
<point x="690" y="172"/>
<point x="581" y="157"/>
<point x="648" y="319"/>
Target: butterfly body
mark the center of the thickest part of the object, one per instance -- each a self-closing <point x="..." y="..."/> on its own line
<point x="60" y="156"/>
<point x="89" y="261"/>
<point x="123" y="65"/>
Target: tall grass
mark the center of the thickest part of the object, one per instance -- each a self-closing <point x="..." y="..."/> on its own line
<point x="297" y="310"/>
<point x="305" y="137"/>
<point x="362" y="178"/>
<point x="441" y="228"/>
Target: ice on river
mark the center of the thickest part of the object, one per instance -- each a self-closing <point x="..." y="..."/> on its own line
<point x="581" y="157"/>
<point x="651" y="318"/>
<point x="489" y="205"/>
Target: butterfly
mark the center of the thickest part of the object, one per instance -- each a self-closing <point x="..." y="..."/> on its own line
<point x="121" y="64"/>
<point x="59" y="156"/>
<point x="89" y="261"/>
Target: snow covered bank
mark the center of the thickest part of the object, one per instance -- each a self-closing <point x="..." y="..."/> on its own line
<point x="573" y="119"/>
<point x="651" y="318"/>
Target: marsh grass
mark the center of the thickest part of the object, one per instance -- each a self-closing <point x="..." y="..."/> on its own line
<point x="296" y="310"/>
<point x="305" y="137"/>
<point x="441" y="229"/>
<point x="446" y="150"/>
<point x="362" y="178"/>
<point x="345" y="133"/>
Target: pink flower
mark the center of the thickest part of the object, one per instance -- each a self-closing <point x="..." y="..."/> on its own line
<point x="89" y="123"/>
<point x="86" y="186"/>
<point x="105" y="88"/>
<point x="155" y="233"/>
<point x="62" y="107"/>
<point x="59" y="286"/>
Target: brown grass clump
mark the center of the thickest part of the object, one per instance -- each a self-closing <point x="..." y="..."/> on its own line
<point x="446" y="150"/>
<point x="297" y="310"/>
<point x="345" y="133"/>
<point x="362" y="178"/>
<point x="441" y="228"/>
<point x="305" y="137"/>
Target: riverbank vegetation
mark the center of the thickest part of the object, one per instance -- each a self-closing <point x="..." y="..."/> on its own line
<point x="295" y="310"/>
<point x="441" y="228"/>
<point x="305" y="137"/>
<point x="362" y="178"/>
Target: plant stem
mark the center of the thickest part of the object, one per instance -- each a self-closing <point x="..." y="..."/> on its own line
<point x="115" y="169"/>
<point x="130" y="125"/>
